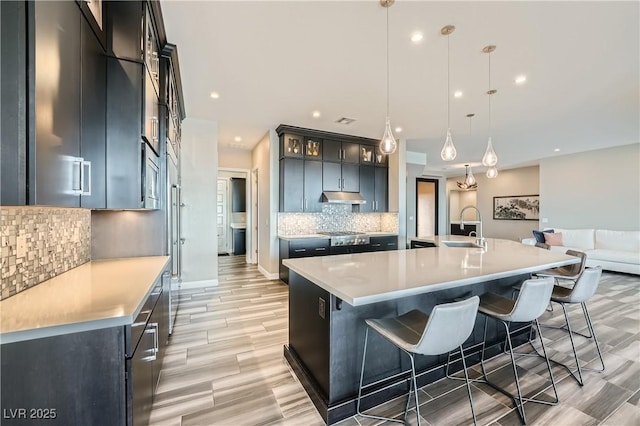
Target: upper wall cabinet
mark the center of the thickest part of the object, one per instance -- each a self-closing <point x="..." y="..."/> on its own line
<point x="69" y="109"/>
<point x="171" y="97"/>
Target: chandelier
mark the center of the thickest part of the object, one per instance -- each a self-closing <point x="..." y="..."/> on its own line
<point x="469" y="179"/>
<point x="388" y="142"/>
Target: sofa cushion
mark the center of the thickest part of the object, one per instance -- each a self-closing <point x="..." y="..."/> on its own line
<point x="621" y="256"/>
<point x="538" y="235"/>
<point x="618" y="240"/>
<point x="584" y="239"/>
<point x="553" y="239"/>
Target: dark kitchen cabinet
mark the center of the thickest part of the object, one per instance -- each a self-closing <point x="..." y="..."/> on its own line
<point x="303" y="247"/>
<point x="100" y="377"/>
<point x="13" y="110"/>
<point x="347" y="152"/>
<point x="301" y="181"/>
<point x="124" y="122"/>
<point x="57" y="104"/>
<point x="124" y="24"/>
<point x="151" y="115"/>
<point x="340" y="177"/>
<point x="374" y="189"/>
<point x="171" y="97"/>
<point x="238" y="195"/>
<point x="383" y="243"/>
<point x="299" y="146"/>
<point x="93" y="118"/>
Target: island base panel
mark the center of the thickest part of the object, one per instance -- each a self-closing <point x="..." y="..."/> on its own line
<point x="326" y="353"/>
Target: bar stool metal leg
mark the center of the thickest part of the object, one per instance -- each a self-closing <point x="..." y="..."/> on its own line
<point x="592" y="332"/>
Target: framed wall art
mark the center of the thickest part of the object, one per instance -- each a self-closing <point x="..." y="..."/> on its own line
<point x="516" y="207"/>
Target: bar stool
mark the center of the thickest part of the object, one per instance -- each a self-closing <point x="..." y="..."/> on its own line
<point x="445" y="329"/>
<point x="568" y="272"/>
<point x="582" y="291"/>
<point x="531" y="303"/>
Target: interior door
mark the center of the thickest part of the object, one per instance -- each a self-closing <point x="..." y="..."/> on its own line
<point x="426" y="207"/>
<point x="221" y="215"/>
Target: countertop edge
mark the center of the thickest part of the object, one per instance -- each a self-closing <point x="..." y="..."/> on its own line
<point x="81" y="326"/>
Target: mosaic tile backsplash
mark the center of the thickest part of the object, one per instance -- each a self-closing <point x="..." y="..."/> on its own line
<point x="38" y="243"/>
<point x="336" y="217"/>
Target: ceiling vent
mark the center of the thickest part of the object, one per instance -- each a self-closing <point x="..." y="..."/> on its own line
<point x="345" y="120"/>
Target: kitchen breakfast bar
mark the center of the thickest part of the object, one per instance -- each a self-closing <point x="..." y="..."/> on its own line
<point x="331" y="296"/>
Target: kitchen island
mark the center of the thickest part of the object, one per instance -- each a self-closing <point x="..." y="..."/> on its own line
<point x="331" y="296"/>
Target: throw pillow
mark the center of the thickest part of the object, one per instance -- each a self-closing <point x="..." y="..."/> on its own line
<point x="553" y="239"/>
<point x="538" y="235"/>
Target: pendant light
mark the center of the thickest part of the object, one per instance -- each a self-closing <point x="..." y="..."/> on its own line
<point x="448" y="152"/>
<point x="388" y="142"/>
<point x="492" y="172"/>
<point x="469" y="180"/>
<point x="490" y="159"/>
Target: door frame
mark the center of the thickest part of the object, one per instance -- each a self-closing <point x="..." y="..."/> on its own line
<point x="437" y="205"/>
<point x="249" y="200"/>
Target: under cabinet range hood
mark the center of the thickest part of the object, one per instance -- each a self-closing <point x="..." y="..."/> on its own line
<point x="339" y="197"/>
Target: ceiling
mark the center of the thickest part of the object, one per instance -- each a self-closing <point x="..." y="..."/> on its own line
<point x="276" y="62"/>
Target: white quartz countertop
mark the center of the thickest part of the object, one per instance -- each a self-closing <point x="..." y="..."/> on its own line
<point x="98" y="294"/>
<point x="364" y="278"/>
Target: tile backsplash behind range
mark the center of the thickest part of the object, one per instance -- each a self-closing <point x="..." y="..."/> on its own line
<point x="336" y="217"/>
<point x="38" y="243"/>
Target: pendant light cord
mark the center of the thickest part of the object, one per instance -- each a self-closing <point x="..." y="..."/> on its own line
<point x="448" y="85"/>
<point x="387" y="62"/>
<point x="490" y="94"/>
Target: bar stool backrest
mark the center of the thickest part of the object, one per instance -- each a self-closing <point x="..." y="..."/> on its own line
<point x="586" y="285"/>
<point x="449" y="325"/>
<point x="578" y="268"/>
<point x="532" y="300"/>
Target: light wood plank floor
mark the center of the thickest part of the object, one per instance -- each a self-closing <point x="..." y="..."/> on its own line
<point x="224" y="364"/>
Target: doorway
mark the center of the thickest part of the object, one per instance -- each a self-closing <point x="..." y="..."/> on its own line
<point x="233" y="207"/>
<point x="426" y="207"/>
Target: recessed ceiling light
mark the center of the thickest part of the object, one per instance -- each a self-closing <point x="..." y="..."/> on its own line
<point x="398" y="129"/>
<point x="416" y="37"/>
<point x="214" y="95"/>
<point x="237" y="139"/>
<point x="457" y="94"/>
<point x="316" y="114"/>
<point x="557" y="150"/>
<point x="521" y="79"/>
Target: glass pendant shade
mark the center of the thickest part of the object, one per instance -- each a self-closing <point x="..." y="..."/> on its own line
<point x="470" y="180"/>
<point x="492" y="172"/>
<point x="388" y="143"/>
<point x="448" y="152"/>
<point x="490" y="158"/>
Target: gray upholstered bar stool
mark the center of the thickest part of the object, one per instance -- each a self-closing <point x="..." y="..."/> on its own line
<point x="531" y="303"/>
<point x="416" y="333"/>
<point x="581" y="292"/>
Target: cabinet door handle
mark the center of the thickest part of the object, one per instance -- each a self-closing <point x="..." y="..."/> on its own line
<point x="342" y="187"/>
<point x="300" y="250"/>
<point x="306" y="205"/>
<point x="320" y="248"/>
<point x="83" y="175"/>
<point x="301" y="203"/>
<point x="77" y="183"/>
<point x="375" y="245"/>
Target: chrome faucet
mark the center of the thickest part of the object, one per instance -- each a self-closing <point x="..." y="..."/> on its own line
<point x="479" y="238"/>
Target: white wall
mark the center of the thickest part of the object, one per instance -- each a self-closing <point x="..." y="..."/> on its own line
<point x="595" y="189"/>
<point x="265" y="158"/>
<point x="199" y="172"/>
<point x="521" y="181"/>
<point x="230" y="158"/>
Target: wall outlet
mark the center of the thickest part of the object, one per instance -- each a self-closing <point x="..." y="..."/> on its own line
<point x="21" y="246"/>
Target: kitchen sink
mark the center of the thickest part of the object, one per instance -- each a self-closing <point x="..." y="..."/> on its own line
<point x="464" y="244"/>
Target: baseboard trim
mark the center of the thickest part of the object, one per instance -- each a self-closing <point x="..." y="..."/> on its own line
<point x="268" y="275"/>
<point x="199" y="284"/>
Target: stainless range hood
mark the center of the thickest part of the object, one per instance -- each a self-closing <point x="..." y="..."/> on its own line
<point x="335" y="197"/>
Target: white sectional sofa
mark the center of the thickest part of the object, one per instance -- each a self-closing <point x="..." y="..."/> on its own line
<point x="613" y="250"/>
